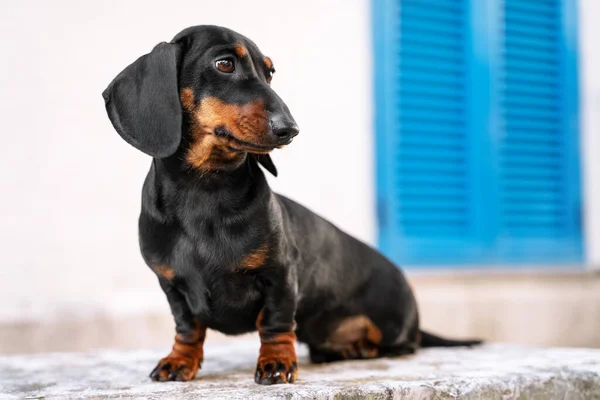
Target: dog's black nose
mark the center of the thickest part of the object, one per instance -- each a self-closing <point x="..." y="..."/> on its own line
<point x="284" y="128"/>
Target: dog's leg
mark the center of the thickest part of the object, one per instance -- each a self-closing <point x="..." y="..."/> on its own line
<point x="187" y="354"/>
<point x="349" y="338"/>
<point x="277" y="362"/>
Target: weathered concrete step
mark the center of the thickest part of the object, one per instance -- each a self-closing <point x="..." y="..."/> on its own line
<point x="489" y="372"/>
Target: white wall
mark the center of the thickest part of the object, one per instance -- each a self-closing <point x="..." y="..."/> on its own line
<point x="71" y="186"/>
<point x="590" y="123"/>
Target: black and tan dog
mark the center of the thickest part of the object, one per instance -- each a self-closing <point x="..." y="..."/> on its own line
<point x="230" y="254"/>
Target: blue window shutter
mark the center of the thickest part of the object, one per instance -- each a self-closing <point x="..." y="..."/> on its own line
<point x="427" y="207"/>
<point x="476" y="120"/>
<point x="538" y="182"/>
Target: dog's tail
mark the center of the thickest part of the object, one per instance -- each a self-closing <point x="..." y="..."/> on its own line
<point x="430" y="340"/>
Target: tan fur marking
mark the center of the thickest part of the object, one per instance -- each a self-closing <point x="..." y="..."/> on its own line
<point x="165" y="271"/>
<point x="187" y="99"/>
<point x="259" y="319"/>
<point x="240" y="50"/>
<point x="257" y="257"/>
<point x="354" y="338"/>
<point x="268" y="62"/>
<point x="353" y="330"/>
<point x="246" y="122"/>
<point x="373" y="333"/>
<point x="210" y="152"/>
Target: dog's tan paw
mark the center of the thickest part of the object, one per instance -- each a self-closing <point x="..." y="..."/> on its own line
<point x="175" y="369"/>
<point x="274" y="371"/>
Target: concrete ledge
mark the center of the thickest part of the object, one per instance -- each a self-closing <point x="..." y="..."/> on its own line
<point x="489" y="372"/>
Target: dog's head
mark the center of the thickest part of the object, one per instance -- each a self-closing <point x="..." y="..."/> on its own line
<point x="206" y="96"/>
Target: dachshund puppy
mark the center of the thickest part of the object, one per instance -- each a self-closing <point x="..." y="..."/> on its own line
<point x="230" y="254"/>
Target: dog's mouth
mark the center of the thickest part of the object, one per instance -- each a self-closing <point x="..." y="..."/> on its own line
<point x="239" y="145"/>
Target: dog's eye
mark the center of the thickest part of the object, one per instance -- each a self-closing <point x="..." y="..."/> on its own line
<point x="225" y="65"/>
<point x="270" y="75"/>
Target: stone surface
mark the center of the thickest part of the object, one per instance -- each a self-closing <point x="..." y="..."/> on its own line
<point x="489" y="372"/>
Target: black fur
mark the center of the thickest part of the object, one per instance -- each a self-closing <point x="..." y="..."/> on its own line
<point x="204" y="224"/>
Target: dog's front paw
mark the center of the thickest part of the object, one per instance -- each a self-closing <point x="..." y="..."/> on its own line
<point x="175" y="369"/>
<point x="272" y="370"/>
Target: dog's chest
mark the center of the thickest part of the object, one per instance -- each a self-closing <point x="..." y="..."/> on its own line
<point x="227" y="302"/>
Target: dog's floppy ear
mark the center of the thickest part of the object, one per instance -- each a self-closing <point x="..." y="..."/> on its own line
<point x="143" y="104"/>
<point x="266" y="161"/>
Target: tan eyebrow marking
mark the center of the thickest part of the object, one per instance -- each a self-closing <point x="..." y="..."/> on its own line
<point x="268" y="62"/>
<point x="240" y="50"/>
